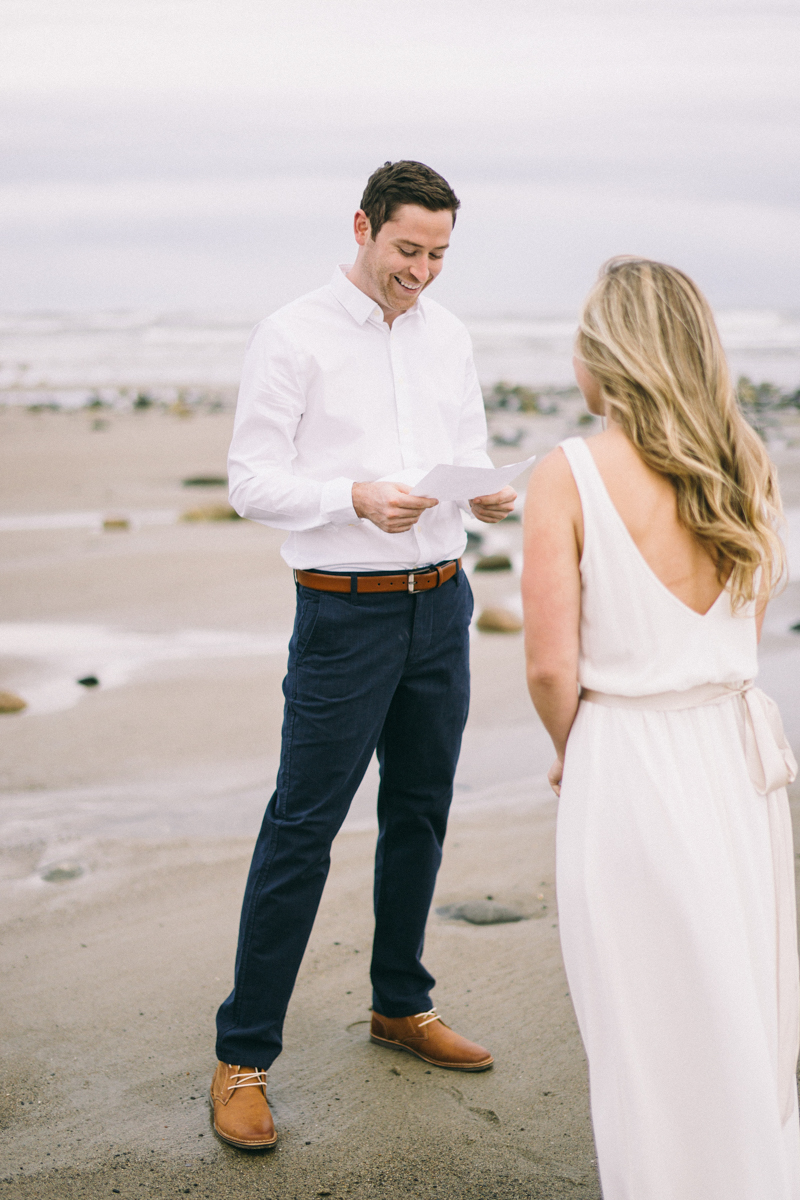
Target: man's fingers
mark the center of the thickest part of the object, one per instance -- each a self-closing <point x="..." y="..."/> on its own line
<point x="505" y="496"/>
<point x="416" y="504"/>
<point x="495" y="507"/>
<point x="389" y="505"/>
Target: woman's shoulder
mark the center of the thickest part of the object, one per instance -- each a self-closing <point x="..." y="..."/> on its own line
<point x="552" y="470"/>
<point x="551" y="485"/>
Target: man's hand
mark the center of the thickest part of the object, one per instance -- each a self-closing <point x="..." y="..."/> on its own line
<point x="389" y="505"/>
<point x="492" y="509"/>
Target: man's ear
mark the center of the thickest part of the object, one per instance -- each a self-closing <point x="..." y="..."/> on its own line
<point x="361" y="227"/>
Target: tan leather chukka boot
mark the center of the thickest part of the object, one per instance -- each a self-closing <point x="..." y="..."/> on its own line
<point x="241" y="1113"/>
<point x="427" y="1036"/>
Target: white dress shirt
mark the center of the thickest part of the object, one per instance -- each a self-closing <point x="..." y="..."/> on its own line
<point x="330" y="395"/>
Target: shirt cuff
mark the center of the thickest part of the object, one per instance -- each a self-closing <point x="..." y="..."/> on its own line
<point x="337" y="502"/>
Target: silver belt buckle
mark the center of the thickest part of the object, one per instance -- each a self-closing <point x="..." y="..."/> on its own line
<point x="410" y="582"/>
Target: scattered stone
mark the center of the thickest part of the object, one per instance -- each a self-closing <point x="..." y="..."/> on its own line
<point x="508" y="439"/>
<point x="494" y="562"/>
<point x="88" y="681"/>
<point x="498" y="620"/>
<point x="206" y="481"/>
<point x="10" y="703"/>
<point x="480" y="912"/>
<point x="62" y="872"/>
<point x="488" y="1114"/>
<point x="474" y="540"/>
<point x="211" y="512"/>
<point x="795" y="628"/>
<point x="394" y="1071"/>
<point x="112" y="523"/>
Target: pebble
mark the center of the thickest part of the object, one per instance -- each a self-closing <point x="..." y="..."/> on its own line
<point x="62" y="872"/>
<point x="9" y="703"/>
<point x="112" y="523"/>
<point x="498" y="620"/>
<point x="494" y="562"/>
<point x="211" y="512"/>
<point x="88" y="681"/>
<point x="481" y="912"/>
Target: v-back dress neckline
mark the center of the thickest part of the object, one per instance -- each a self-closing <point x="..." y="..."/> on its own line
<point x="636" y="551"/>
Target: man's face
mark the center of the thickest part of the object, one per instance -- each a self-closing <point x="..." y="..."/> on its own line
<point x="404" y="258"/>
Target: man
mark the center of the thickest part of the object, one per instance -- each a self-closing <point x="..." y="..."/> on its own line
<point x="348" y="397"/>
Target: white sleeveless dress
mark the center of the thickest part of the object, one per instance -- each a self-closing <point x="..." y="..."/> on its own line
<point x="676" y="888"/>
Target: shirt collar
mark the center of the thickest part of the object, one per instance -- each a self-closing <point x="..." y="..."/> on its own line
<point x="360" y="306"/>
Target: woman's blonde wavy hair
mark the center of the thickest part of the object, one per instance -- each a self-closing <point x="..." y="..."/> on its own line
<point x="648" y="336"/>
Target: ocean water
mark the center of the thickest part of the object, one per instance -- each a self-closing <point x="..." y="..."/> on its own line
<point x="66" y="358"/>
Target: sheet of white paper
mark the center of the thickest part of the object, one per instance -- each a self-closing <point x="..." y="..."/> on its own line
<point x="444" y="482"/>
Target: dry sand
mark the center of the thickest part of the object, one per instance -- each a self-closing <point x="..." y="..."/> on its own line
<point x="154" y="790"/>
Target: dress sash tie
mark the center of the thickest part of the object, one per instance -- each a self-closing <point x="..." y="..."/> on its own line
<point x="771" y="766"/>
<point x="770" y="761"/>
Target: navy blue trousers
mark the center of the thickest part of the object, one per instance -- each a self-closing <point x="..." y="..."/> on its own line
<point x="386" y="671"/>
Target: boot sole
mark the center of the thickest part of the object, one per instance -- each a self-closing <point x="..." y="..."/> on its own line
<point x="434" y="1062"/>
<point x="245" y="1145"/>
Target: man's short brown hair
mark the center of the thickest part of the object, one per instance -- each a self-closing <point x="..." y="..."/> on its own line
<point x="405" y="182"/>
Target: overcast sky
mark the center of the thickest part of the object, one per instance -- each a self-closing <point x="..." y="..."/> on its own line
<point x="190" y="154"/>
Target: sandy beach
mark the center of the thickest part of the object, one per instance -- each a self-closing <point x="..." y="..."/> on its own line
<point x="129" y="809"/>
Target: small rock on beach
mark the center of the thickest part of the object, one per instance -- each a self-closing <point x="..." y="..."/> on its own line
<point x="211" y="512"/>
<point x="62" y="872"/>
<point x="206" y="481"/>
<point x="494" y="562"/>
<point x="498" y="620"/>
<point x="480" y="912"/>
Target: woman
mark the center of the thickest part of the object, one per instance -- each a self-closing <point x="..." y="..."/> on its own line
<point x="650" y="555"/>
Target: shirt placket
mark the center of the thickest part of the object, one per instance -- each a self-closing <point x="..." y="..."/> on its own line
<point x="400" y="350"/>
<point x="402" y="395"/>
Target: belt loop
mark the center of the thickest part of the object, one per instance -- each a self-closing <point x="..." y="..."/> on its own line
<point x="353" y="585"/>
<point x="458" y="572"/>
<point x="294" y="577"/>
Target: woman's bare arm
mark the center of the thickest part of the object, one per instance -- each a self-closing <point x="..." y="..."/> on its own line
<point x="551" y="595"/>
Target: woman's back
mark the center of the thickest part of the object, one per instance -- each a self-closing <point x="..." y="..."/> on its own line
<point x="647" y="504"/>
<point x="654" y="617"/>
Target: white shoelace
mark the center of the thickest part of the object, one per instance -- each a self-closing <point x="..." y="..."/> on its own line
<point x="255" y="1078"/>
<point x="426" y="1018"/>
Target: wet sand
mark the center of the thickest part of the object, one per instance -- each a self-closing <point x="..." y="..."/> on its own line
<point x="146" y="792"/>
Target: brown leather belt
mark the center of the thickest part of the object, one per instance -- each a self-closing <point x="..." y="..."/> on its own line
<point x="414" y="581"/>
